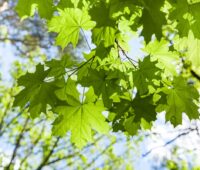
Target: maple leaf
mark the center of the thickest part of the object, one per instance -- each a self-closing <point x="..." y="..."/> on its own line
<point x="152" y="19"/>
<point x="180" y="99"/>
<point x="105" y="29"/>
<point x="36" y="91"/>
<point x="118" y="113"/>
<point x="120" y="8"/>
<point x="144" y="108"/>
<point x="135" y="114"/>
<point x="26" y="8"/>
<point x="68" y="25"/>
<point x="187" y="17"/>
<point x="69" y="93"/>
<point x="103" y="83"/>
<point x="67" y="4"/>
<point x="193" y="50"/>
<point x="58" y="67"/>
<point x="190" y="46"/>
<point x="80" y="119"/>
<point x="101" y="14"/>
<point x="167" y="60"/>
<point x="105" y="35"/>
<point x="146" y="72"/>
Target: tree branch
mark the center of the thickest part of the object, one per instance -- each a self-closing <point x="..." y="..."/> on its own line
<point x="17" y="145"/>
<point x="32" y="147"/>
<point x="100" y="154"/>
<point x="45" y="160"/>
<point x="124" y="53"/>
<point x="169" y="142"/>
<point x="74" y="154"/>
<point x="195" y="74"/>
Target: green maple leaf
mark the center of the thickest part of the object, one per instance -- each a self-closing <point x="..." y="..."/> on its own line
<point x="187" y="17"/>
<point x="130" y="126"/>
<point x="105" y="29"/>
<point x="144" y="108"/>
<point x="193" y="50"/>
<point x="122" y="8"/>
<point x="180" y="99"/>
<point x="102" y="52"/>
<point x="68" y="4"/>
<point x="132" y="115"/>
<point x="190" y="46"/>
<point x="167" y="60"/>
<point x="80" y="119"/>
<point x="152" y="19"/>
<point x="145" y="74"/>
<point x="144" y="113"/>
<point x="36" y="91"/>
<point x="69" y="93"/>
<point x="26" y="8"/>
<point x="105" y="35"/>
<point x="58" y="67"/>
<point x="104" y="84"/>
<point x="121" y="108"/>
<point x="101" y="14"/>
<point x="68" y="25"/>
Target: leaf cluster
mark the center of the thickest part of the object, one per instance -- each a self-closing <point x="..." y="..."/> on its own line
<point x="108" y="80"/>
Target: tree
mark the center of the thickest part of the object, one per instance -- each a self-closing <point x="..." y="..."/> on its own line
<point x="23" y="139"/>
<point x="30" y="140"/>
<point x="133" y="92"/>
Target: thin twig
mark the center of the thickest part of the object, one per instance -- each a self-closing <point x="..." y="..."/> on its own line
<point x="32" y="147"/>
<point x="74" y="154"/>
<point x="100" y="154"/>
<point x="168" y="142"/>
<point x="46" y="159"/>
<point x="195" y="74"/>
<point x="124" y="53"/>
<point x="86" y="39"/>
<point x="17" y="145"/>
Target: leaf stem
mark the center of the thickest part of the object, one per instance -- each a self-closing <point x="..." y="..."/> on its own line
<point x="124" y="53"/>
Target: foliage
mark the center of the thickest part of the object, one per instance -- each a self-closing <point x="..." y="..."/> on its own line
<point x="131" y="91"/>
<point x="26" y="143"/>
<point x="24" y="140"/>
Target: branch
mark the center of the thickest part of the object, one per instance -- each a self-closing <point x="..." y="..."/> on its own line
<point x="124" y="53"/>
<point x="170" y="141"/>
<point x="74" y="154"/>
<point x="91" y="59"/>
<point x="86" y="39"/>
<point x="7" y="107"/>
<point x="17" y="145"/>
<point x="2" y="119"/>
<point x="9" y="123"/>
<point x="46" y="159"/>
<point x="100" y="154"/>
<point x="194" y="74"/>
<point x="32" y="147"/>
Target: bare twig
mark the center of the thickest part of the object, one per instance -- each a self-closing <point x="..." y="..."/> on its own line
<point x="32" y="147"/>
<point x="17" y="145"/>
<point x="169" y="142"/>
<point x="194" y="74"/>
<point x="100" y="154"/>
<point x="124" y="53"/>
<point x="47" y="157"/>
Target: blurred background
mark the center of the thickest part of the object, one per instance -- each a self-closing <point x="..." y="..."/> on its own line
<point x="27" y="144"/>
